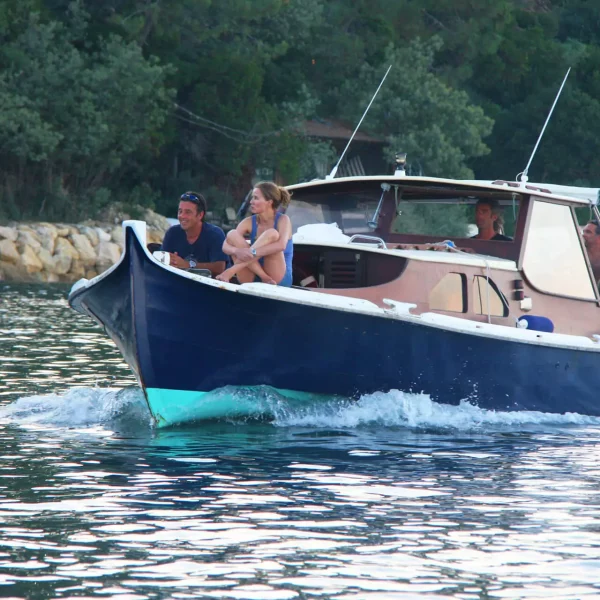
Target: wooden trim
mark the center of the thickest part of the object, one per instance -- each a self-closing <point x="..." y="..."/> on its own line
<point x="523" y="229"/>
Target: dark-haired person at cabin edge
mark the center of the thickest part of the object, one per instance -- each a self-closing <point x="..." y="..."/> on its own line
<point x="269" y="256"/>
<point x="489" y="221"/>
<point x="591" y="240"/>
<point x="194" y="244"/>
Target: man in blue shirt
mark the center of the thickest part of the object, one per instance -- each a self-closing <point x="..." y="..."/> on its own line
<point x="194" y="244"/>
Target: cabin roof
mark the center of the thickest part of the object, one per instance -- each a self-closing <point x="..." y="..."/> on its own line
<point x="563" y="193"/>
<point x="590" y="194"/>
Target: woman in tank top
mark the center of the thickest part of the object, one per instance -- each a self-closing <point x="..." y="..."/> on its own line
<point x="268" y="258"/>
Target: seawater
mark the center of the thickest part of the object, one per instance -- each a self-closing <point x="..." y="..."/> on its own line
<point x="390" y="497"/>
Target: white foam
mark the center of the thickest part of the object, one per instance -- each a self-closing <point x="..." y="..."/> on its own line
<point x="80" y="407"/>
<point x="401" y="409"/>
<point x="119" y="409"/>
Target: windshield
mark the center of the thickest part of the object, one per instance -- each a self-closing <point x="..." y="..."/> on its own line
<point x="433" y="211"/>
<point x="351" y="211"/>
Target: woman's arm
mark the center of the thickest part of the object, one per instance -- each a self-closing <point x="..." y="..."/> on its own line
<point x="243" y="228"/>
<point x="284" y="228"/>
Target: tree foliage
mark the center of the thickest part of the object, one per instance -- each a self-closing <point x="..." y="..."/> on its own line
<point x="138" y="99"/>
<point x="420" y="114"/>
<point x="75" y="120"/>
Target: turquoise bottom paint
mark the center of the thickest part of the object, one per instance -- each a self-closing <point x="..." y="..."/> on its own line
<point x="173" y="407"/>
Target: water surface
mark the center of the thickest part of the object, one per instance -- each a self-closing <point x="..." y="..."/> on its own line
<point x="391" y="497"/>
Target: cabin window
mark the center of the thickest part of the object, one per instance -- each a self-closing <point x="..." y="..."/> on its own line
<point x="449" y="294"/>
<point x="554" y="261"/>
<point x="453" y="218"/>
<point x="433" y="219"/>
<point x="487" y="298"/>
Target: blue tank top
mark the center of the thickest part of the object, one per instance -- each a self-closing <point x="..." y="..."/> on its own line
<point x="288" y="253"/>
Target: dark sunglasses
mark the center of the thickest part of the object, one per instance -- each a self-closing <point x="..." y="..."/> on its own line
<point x="190" y="198"/>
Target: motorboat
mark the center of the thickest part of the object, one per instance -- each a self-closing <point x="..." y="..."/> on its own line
<point x="390" y="291"/>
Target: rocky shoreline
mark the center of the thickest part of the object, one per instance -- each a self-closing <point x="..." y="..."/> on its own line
<point x="59" y="252"/>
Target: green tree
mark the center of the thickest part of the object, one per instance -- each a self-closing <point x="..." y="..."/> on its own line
<point x="75" y="121"/>
<point x="232" y="101"/>
<point x="528" y="69"/>
<point x="419" y="114"/>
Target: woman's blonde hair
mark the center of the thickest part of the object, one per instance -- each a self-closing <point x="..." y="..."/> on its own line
<point x="277" y="194"/>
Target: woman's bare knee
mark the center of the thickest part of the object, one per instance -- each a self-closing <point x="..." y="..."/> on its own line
<point x="236" y="239"/>
<point x="273" y="234"/>
<point x="269" y="236"/>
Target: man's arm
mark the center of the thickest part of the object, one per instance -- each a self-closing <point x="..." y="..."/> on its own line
<point x="169" y="244"/>
<point x="216" y="267"/>
<point x="217" y="259"/>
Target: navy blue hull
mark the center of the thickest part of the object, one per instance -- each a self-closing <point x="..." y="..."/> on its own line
<point x="179" y="334"/>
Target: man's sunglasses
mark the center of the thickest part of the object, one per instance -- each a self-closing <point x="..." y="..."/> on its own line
<point x="190" y="198"/>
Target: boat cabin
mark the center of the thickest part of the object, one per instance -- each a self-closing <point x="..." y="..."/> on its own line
<point x="411" y="239"/>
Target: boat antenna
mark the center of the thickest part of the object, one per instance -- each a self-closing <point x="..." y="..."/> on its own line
<point x="334" y="170"/>
<point x="523" y="176"/>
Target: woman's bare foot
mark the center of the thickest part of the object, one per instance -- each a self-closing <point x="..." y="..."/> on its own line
<point x="229" y="273"/>
<point x="225" y="275"/>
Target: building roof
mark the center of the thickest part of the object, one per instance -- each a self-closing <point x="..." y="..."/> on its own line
<point x="334" y="129"/>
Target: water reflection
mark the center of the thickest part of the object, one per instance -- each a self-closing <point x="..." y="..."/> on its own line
<point x="95" y="503"/>
<point x="45" y="347"/>
<point x="251" y="511"/>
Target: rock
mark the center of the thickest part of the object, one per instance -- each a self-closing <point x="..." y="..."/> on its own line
<point x="30" y="261"/>
<point x="103" y="236"/>
<point x="14" y="272"/>
<point x="61" y="263"/>
<point x="27" y="237"/>
<point x="64" y="246"/>
<point x="9" y="252"/>
<point x="46" y="259"/>
<point x="156" y="221"/>
<point x="117" y="236"/>
<point x="108" y="254"/>
<point x="77" y="270"/>
<point x="62" y="230"/>
<point x="64" y="255"/>
<point x="114" y="213"/>
<point x="47" y="235"/>
<point x="9" y="233"/>
<point x="82" y="244"/>
<point x="48" y="252"/>
<point x="154" y="236"/>
<point x="91" y="234"/>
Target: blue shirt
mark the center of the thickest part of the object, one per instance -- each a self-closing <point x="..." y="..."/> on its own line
<point x="207" y="248"/>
